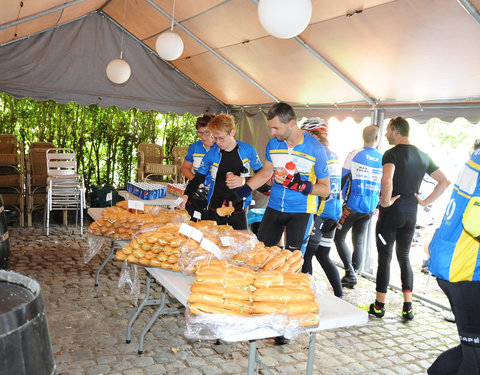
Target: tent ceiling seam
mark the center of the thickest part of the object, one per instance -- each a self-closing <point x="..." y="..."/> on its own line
<point x="38" y="15"/>
<point x="215" y="53"/>
<point x="165" y="62"/>
<point x="332" y="67"/>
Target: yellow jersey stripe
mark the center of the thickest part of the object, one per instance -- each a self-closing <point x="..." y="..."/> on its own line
<point x="464" y="258"/>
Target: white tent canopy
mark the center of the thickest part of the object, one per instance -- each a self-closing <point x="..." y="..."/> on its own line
<point x="416" y="58"/>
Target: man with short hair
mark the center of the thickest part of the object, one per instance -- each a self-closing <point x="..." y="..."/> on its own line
<point x="361" y="175"/>
<point x="293" y="197"/>
<point x="404" y="167"/>
<point x="228" y="163"/>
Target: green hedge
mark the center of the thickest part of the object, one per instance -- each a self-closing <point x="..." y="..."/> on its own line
<point x="105" y="140"/>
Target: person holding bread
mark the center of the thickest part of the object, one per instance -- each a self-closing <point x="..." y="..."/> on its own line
<point x="197" y="205"/>
<point x="328" y="214"/>
<point x="227" y="157"/>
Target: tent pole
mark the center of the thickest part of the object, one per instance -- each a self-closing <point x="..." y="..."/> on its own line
<point x="215" y="53"/>
<point x="470" y="8"/>
<point x="38" y="15"/>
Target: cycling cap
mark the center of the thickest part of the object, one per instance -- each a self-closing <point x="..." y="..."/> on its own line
<point x="315" y="123"/>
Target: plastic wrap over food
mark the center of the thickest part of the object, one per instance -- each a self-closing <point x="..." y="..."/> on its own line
<point x="237" y="303"/>
<point x="121" y="223"/>
<point x="129" y="279"/>
<point x="239" y="328"/>
<point x="94" y="245"/>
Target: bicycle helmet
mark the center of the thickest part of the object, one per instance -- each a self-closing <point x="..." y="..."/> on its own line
<point x="315" y="124"/>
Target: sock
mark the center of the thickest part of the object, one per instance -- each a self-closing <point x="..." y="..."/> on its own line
<point x="407" y="306"/>
<point x="379" y="305"/>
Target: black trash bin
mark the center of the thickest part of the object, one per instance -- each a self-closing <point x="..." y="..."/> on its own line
<point x="4" y="240"/>
<point x="24" y="337"/>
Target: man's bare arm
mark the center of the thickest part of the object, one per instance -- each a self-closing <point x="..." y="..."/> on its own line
<point x="386" y="188"/>
<point x="187" y="170"/>
<point x="442" y="183"/>
<point x="322" y="187"/>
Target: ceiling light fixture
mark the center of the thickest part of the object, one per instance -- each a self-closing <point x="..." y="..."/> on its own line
<point x="118" y="70"/>
<point x="284" y="18"/>
<point x="169" y="45"/>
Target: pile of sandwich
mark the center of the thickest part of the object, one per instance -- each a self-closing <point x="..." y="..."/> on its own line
<point x="270" y="259"/>
<point x="220" y="288"/>
<point x="165" y="247"/>
<point x="121" y="223"/>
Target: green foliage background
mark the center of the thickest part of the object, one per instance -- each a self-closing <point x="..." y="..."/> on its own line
<point x="105" y="140"/>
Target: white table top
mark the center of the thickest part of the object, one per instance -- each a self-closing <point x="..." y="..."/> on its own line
<point x="95" y="212"/>
<point x="166" y="201"/>
<point x="334" y="312"/>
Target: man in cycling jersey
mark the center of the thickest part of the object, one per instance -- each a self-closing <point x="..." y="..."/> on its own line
<point x="197" y="205"/>
<point x="361" y="176"/>
<point x="293" y="196"/>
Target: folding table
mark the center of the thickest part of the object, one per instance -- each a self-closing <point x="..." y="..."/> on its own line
<point x="334" y="313"/>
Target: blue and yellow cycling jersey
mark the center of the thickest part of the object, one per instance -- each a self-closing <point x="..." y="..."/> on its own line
<point x="362" y="191"/>
<point x="310" y="159"/>
<point x="331" y="208"/>
<point x="196" y="152"/>
<point x="213" y="157"/>
<point x="454" y="253"/>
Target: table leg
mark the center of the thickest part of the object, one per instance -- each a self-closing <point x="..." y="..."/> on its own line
<point x="107" y="259"/>
<point x="311" y="353"/>
<point x="252" y="354"/>
<point x="139" y="309"/>
<point x="151" y="321"/>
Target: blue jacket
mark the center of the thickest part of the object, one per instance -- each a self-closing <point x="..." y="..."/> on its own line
<point x="213" y="157"/>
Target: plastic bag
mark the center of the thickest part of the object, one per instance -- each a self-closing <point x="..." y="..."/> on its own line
<point x="129" y="278"/>
<point x="94" y="245"/>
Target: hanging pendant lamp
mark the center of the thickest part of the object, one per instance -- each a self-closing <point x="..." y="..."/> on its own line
<point x="284" y="18"/>
<point x="118" y="70"/>
<point x="169" y="45"/>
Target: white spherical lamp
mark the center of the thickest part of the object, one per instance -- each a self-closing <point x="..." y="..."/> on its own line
<point x="118" y="71"/>
<point x="284" y="18"/>
<point x="169" y="45"/>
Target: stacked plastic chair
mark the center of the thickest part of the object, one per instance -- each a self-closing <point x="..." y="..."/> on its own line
<point x="151" y="163"/>
<point x="65" y="187"/>
<point x="12" y="175"/>
<point x="36" y="166"/>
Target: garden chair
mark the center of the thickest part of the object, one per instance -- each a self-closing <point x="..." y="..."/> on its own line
<point x="12" y="174"/>
<point x="36" y="166"/>
<point x="151" y="163"/>
<point x="65" y="187"/>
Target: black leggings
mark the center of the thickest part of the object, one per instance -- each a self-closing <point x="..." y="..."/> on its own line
<point x="358" y="222"/>
<point x="393" y="226"/>
<point x="319" y="245"/>
<point x="274" y="222"/>
<point x="463" y="359"/>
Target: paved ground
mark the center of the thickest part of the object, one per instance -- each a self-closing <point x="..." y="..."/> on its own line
<point x="87" y="324"/>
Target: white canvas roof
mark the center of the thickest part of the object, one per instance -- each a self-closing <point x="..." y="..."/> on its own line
<point x="416" y="58"/>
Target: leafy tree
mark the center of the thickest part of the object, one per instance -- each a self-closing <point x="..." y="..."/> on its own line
<point x="105" y="140"/>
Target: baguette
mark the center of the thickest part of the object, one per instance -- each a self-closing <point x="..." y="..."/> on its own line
<point x="304" y="307"/>
<point x="295" y="266"/>
<point x="208" y="299"/>
<point x="268" y="279"/>
<point x="206" y="288"/>
<point x="306" y="320"/>
<point x="296" y="255"/>
<point x="282" y="295"/>
<point x="268" y="308"/>
<point x="225" y="211"/>
<point x="201" y="308"/>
